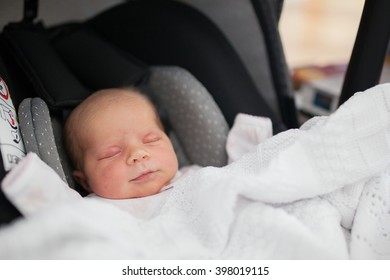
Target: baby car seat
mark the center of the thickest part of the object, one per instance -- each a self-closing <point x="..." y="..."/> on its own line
<point x="56" y="68"/>
<point x="198" y="128"/>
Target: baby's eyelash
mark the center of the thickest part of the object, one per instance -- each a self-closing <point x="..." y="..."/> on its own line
<point x="152" y="138"/>
<point x="110" y="154"/>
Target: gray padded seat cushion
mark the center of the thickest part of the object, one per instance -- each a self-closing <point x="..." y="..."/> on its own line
<point x="199" y="129"/>
<point x="196" y="119"/>
<point x="38" y="131"/>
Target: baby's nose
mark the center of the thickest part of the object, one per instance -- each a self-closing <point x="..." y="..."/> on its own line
<point x="138" y="155"/>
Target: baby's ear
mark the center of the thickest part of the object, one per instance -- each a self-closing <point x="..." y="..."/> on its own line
<point x="80" y="178"/>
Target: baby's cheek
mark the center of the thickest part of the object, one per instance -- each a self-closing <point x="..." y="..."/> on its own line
<point x="170" y="161"/>
<point x="108" y="180"/>
<point x="109" y="172"/>
<point x="101" y="174"/>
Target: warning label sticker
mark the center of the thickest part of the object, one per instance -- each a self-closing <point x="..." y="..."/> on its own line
<point x="11" y="144"/>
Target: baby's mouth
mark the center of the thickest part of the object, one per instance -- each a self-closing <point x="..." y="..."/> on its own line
<point x="143" y="176"/>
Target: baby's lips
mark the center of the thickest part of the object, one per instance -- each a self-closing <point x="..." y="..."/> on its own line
<point x="143" y="175"/>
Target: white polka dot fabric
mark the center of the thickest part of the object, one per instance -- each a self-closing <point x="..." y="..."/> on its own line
<point x="37" y="133"/>
<point x="38" y="136"/>
<point x="195" y="118"/>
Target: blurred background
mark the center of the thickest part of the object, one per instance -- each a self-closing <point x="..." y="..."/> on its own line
<point x="318" y="38"/>
<point x="319" y="32"/>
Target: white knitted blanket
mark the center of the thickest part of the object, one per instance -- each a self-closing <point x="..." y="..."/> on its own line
<point x="320" y="192"/>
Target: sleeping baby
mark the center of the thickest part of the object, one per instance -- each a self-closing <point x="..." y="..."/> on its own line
<point x="118" y="145"/>
<point x="119" y="148"/>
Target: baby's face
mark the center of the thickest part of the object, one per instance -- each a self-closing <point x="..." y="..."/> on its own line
<point x="126" y="153"/>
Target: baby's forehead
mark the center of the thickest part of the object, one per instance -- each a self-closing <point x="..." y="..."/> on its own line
<point x="111" y="106"/>
<point x="128" y="98"/>
<point x="100" y="102"/>
<point x="118" y="105"/>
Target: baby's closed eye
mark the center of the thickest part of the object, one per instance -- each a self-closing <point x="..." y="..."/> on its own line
<point x="110" y="153"/>
<point x="152" y="138"/>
